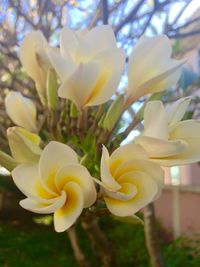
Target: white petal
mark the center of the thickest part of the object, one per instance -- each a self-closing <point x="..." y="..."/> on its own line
<point x="80" y="175"/>
<point x="162" y="81"/>
<point x="26" y="177"/>
<point x="189" y="131"/>
<point x="157" y="148"/>
<point x="68" y="44"/>
<point x="54" y="156"/>
<point x="41" y="208"/>
<point x="127" y="191"/>
<point x="141" y="165"/>
<point x="79" y="86"/>
<point x="106" y="176"/>
<point x="156" y="51"/>
<point x="158" y="70"/>
<point x="63" y="67"/>
<point x="155" y="120"/>
<point x="159" y="44"/>
<point x="111" y="64"/>
<point x="81" y="33"/>
<point x="69" y="213"/>
<point x="126" y="153"/>
<point x="176" y="111"/>
<point x="98" y="39"/>
<point x="147" y="189"/>
<point x="159" y="82"/>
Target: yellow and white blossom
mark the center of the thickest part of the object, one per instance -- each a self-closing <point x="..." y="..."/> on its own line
<point x="32" y="54"/>
<point x="24" y="145"/>
<point x="166" y="139"/>
<point x="129" y="180"/>
<point x="151" y="68"/>
<point x="89" y="65"/>
<point x="56" y="184"/>
<point x="21" y="110"/>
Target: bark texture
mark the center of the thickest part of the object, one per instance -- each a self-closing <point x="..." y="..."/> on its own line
<point x="77" y="251"/>
<point x="151" y="236"/>
<point x="100" y="244"/>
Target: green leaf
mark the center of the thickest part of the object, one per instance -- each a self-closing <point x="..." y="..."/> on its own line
<point x="129" y="219"/>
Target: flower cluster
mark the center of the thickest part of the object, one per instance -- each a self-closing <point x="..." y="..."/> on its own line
<point x="62" y="162"/>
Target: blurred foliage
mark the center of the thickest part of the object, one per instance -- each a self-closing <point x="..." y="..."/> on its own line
<point x="41" y="246"/>
<point x="188" y="77"/>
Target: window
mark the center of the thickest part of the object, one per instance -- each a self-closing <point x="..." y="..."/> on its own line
<point x="175" y="175"/>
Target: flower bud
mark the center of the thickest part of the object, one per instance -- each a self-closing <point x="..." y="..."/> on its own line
<point x="23" y="145"/>
<point x="7" y="161"/>
<point x="52" y="90"/>
<point x="21" y="110"/>
<point x="113" y="113"/>
<point x="32" y="54"/>
<point x="155" y="72"/>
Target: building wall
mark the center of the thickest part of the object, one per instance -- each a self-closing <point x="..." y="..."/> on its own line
<point x="179" y="210"/>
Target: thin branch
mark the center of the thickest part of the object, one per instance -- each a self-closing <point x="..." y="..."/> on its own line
<point x="129" y="17"/>
<point x="187" y="24"/>
<point x="183" y="35"/>
<point x="78" y="253"/>
<point x="104" y="10"/>
<point x="17" y="7"/>
<point x="181" y="12"/>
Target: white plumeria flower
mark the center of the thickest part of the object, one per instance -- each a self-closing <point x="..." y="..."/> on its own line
<point x="89" y="65"/>
<point x="168" y="140"/>
<point x="21" y="110"/>
<point x="151" y="68"/>
<point x="24" y="145"/>
<point x="32" y="54"/>
<point x="56" y="184"/>
<point x="129" y="180"/>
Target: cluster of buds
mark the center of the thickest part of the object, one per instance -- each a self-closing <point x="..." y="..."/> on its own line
<point x="66" y="156"/>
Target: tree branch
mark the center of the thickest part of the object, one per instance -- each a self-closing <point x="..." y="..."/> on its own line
<point x="129" y="17"/>
<point x="183" y="35"/>
<point x="104" y="11"/>
<point x="78" y="253"/>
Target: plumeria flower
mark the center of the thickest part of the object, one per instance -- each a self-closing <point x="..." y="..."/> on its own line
<point x="89" y="65"/>
<point x="56" y="184"/>
<point x="151" y="68"/>
<point x="24" y="145"/>
<point x="21" y="110"/>
<point x="129" y="180"/>
<point x="168" y="140"/>
<point x="32" y="54"/>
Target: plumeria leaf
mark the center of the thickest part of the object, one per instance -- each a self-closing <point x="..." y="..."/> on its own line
<point x="129" y="219"/>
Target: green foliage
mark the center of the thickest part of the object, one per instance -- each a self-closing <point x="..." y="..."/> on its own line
<point x="188" y="77"/>
<point x="41" y="246"/>
<point x="34" y="248"/>
<point x="128" y="243"/>
<point x="183" y="252"/>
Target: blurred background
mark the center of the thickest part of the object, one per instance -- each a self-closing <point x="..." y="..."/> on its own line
<point x="29" y="240"/>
